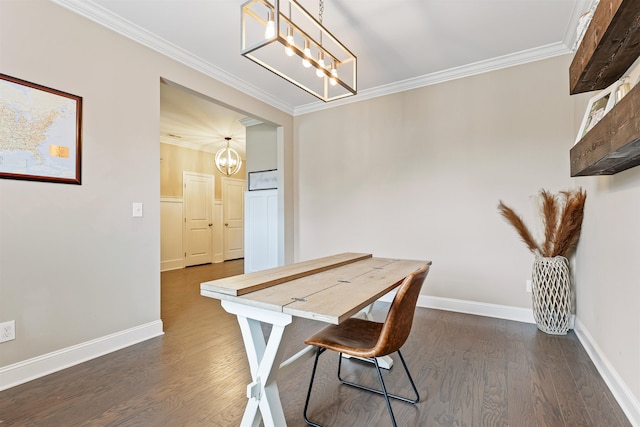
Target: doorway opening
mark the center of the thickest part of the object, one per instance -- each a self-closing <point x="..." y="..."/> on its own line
<point x="193" y="202"/>
<point x="202" y="210"/>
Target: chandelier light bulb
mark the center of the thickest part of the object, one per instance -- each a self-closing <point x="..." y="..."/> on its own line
<point x="307" y="54"/>
<point x="270" y="31"/>
<point x="319" y="72"/>
<point x="334" y="73"/>
<point x="290" y="42"/>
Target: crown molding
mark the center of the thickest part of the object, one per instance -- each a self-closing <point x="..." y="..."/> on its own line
<point x="506" y="61"/>
<point x="250" y="121"/>
<point x="579" y="7"/>
<point x="100" y="15"/>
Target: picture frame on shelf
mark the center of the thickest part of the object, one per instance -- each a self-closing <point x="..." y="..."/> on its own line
<point x="598" y="106"/>
<point x="43" y="132"/>
<point x="624" y="86"/>
<point x="263" y="180"/>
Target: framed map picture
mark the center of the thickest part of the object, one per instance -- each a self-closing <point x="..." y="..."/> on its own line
<point x="40" y="132"/>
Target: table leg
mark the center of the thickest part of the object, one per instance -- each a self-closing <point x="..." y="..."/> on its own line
<point x="264" y="362"/>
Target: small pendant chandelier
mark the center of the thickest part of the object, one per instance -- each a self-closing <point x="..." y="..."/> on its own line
<point x="228" y="160"/>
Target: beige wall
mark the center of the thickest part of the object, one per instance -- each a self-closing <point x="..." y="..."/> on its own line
<point x="74" y="264"/>
<point x="418" y="174"/>
<point x="174" y="160"/>
<point x="262" y="152"/>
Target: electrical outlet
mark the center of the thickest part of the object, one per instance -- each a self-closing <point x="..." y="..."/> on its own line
<point x="8" y="331"/>
<point x="528" y="286"/>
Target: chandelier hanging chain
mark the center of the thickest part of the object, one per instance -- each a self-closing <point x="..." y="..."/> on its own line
<point x="320" y="15"/>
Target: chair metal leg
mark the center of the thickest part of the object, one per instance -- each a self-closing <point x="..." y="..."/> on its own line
<point x="373" y="390"/>
<point x="313" y="374"/>
<point x="406" y="369"/>
<point x="386" y="395"/>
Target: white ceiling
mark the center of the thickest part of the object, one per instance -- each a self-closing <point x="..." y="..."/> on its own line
<point x="400" y="44"/>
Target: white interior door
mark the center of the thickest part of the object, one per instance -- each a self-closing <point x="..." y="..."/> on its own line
<point x="198" y="218"/>
<point x="233" y="211"/>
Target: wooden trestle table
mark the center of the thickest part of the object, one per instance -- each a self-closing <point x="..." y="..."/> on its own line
<point x="329" y="289"/>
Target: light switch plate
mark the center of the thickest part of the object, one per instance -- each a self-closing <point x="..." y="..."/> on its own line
<point x="137" y="210"/>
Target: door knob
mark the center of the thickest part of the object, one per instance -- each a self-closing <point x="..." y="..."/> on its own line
<point x="210" y="224"/>
<point x="226" y="224"/>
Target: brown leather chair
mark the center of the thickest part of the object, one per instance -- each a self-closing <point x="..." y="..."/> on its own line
<point x="367" y="339"/>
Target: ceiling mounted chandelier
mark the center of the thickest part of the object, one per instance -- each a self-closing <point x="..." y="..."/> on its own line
<point x="228" y="160"/>
<point x="275" y="35"/>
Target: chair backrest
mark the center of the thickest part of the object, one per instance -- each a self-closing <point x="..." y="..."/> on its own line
<point x="397" y="325"/>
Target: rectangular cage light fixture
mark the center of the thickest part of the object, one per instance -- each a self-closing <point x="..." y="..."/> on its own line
<point x="287" y="40"/>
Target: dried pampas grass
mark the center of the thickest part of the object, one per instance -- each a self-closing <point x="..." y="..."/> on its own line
<point x="562" y="219"/>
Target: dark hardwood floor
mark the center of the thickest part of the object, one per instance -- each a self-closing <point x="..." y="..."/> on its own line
<point x="470" y="371"/>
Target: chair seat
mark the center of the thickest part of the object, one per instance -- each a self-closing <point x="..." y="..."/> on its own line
<point x="355" y="337"/>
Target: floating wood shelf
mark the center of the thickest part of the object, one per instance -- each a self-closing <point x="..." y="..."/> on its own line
<point x="610" y="46"/>
<point x="613" y="144"/>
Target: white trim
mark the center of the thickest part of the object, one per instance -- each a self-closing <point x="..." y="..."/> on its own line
<point x="570" y="33"/>
<point x="132" y="31"/>
<point x="625" y="398"/>
<point x="250" y="121"/>
<point x="128" y="29"/>
<point x="39" y="366"/>
<point x="579" y="7"/>
<point x="218" y="226"/>
<point x="177" y="263"/>
<point x="505" y="61"/>
<point x="174" y="264"/>
<point x="518" y="314"/>
<point x="506" y="312"/>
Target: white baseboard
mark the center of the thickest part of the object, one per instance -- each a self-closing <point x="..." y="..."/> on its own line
<point x="625" y="398"/>
<point x="507" y="312"/>
<point x="27" y="370"/>
<point x="173" y="264"/>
